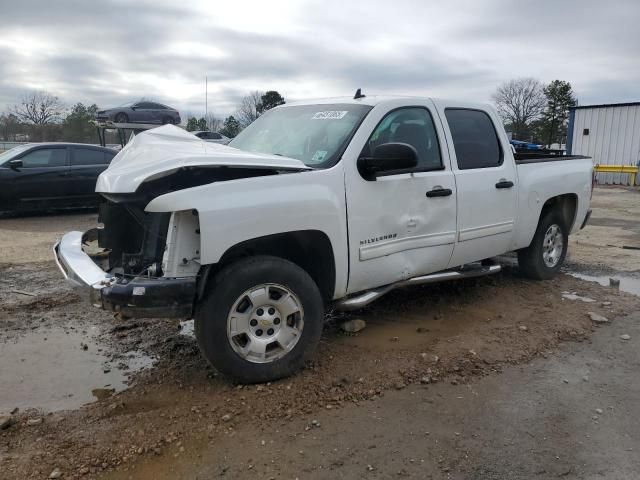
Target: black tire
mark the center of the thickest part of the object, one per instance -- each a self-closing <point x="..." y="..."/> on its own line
<point x="531" y="260"/>
<point x="168" y="121"/>
<point x="227" y="288"/>
<point x="122" y="118"/>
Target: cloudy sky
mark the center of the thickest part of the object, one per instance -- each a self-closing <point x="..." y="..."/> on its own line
<point x="113" y="51"/>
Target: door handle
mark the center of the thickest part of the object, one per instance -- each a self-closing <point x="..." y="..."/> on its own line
<point x="504" y="184"/>
<point x="439" y="192"/>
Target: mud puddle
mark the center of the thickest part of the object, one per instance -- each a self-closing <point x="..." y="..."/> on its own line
<point x="626" y="284"/>
<point x="60" y="369"/>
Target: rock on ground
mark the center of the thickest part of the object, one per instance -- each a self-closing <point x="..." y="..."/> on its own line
<point x="353" y="326"/>
<point x="597" y="318"/>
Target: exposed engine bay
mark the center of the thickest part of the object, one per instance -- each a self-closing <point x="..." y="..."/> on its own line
<point x="138" y="243"/>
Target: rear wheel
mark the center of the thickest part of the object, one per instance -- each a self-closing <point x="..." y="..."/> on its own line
<point x="122" y="118"/>
<point x="261" y="319"/>
<point x="544" y="257"/>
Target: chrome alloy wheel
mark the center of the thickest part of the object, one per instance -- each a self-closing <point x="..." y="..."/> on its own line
<point x="552" y="245"/>
<point x="265" y="323"/>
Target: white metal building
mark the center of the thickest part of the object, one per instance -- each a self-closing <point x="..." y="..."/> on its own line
<point x="610" y="134"/>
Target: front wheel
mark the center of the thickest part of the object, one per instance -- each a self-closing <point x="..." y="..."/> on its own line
<point x="261" y="319"/>
<point x="543" y="258"/>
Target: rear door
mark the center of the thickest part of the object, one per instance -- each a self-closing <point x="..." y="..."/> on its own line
<point x="486" y="183"/>
<point x="401" y="225"/>
<point x="42" y="177"/>
<point x="87" y="163"/>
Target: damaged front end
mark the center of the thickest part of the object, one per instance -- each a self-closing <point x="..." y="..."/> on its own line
<point x="139" y="264"/>
<point x="146" y="264"/>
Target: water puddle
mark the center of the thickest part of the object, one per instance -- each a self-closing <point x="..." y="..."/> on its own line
<point x="55" y="369"/>
<point x="626" y="284"/>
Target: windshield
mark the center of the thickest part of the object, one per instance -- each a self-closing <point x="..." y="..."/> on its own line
<point x="9" y="154"/>
<point x="315" y="134"/>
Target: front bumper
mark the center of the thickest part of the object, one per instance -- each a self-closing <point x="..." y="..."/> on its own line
<point x="131" y="297"/>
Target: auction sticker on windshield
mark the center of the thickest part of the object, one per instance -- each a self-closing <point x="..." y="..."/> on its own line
<point x="329" y="115"/>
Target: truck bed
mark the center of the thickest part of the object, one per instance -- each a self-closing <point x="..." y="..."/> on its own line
<point x="533" y="157"/>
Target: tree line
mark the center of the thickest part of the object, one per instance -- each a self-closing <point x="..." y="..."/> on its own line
<point x="251" y="107"/>
<point x="41" y="116"/>
<point x="535" y="112"/>
<point x="531" y="111"/>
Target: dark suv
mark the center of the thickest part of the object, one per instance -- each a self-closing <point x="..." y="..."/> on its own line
<point x="140" y="112"/>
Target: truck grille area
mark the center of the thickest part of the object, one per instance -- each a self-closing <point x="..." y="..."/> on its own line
<point x="135" y="239"/>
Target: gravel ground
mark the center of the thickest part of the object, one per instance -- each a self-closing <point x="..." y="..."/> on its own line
<point x="486" y="378"/>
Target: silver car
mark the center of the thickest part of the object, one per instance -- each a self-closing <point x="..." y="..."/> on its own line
<point x="213" y="137"/>
<point x="140" y="112"/>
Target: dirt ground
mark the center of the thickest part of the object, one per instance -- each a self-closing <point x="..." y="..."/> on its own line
<point x="491" y="378"/>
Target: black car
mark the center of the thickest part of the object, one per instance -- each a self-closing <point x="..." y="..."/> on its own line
<point x="140" y="112"/>
<point x="43" y="176"/>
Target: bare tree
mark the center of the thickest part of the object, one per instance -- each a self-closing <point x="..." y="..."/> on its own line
<point x="39" y="108"/>
<point x="520" y="102"/>
<point x="249" y="108"/>
<point x="213" y="123"/>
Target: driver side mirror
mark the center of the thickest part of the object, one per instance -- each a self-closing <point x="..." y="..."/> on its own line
<point x="388" y="159"/>
<point x="15" y="164"/>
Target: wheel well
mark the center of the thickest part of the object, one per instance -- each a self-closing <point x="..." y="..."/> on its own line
<point x="566" y="204"/>
<point x="309" y="249"/>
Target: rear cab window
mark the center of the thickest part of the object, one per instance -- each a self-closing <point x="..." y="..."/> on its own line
<point x="475" y="139"/>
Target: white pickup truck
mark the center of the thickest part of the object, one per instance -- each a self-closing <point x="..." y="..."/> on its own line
<point x="316" y="205"/>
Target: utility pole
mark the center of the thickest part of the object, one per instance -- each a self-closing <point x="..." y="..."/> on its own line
<point x="206" y="96"/>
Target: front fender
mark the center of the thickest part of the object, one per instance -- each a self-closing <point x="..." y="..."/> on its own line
<point x="235" y="211"/>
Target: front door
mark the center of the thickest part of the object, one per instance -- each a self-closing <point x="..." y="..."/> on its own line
<point x="486" y="180"/>
<point x="401" y="225"/>
<point x="42" y="178"/>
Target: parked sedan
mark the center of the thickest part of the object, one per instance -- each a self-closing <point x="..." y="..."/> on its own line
<point x="213" y="137"/>
<point x="140" y="112"/>
<point x="42" y="176"/>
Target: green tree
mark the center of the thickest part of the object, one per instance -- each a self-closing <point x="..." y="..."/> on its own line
<point x="231" y="127"/>
<point x="192" y="124"/>
<point x="560" y="99"/>
<point x="77" y="126"/>
<point x="269" y="100"/>
<point x="9" y="126"/>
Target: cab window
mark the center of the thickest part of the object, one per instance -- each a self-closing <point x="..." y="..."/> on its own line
<point x="474" y="139"/>
<point x="411" y="125"/>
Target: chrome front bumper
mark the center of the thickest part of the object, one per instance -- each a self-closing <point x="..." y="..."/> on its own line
<point x="144" y="297"/>
<point x="78" y="268"/>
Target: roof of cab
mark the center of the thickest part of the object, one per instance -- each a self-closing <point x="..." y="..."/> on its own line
<point x="373" y="100"/>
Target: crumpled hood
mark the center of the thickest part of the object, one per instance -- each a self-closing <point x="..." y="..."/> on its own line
<point x="163" y="150"/>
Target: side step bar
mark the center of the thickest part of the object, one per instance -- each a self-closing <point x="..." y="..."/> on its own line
<point x="363" y="299"/>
